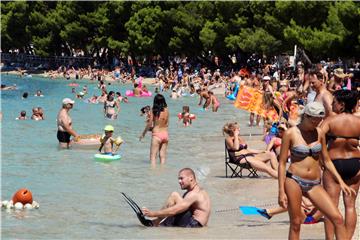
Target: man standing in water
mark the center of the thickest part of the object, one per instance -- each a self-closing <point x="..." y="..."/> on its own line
<point x="190" y="210"/>
<point x="64" y="123"/>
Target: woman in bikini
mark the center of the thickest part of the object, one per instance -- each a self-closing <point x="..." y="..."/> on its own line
<point x="257" y="158"/>
<point x="158" y="123"/>
<point x="343" y="150"/>
<point x="308" y="154"/>
<point x="109" y="107"/>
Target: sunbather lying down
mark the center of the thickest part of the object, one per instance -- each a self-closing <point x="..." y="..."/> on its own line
<point x="257" y="158"/>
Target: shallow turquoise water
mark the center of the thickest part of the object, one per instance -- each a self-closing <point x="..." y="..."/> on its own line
<point x="80" y="198"/>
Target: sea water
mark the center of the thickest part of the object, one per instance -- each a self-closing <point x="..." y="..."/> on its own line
<point x="80" y="198"/>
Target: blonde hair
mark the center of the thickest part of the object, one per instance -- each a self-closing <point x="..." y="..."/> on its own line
<point x="268" y="99"/>
<point x="228" y="128"/>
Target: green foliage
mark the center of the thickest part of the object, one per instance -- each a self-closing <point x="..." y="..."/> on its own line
<point x="323" y="29"/>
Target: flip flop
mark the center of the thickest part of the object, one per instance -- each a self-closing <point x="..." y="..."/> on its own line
<point x="137" y="210"/>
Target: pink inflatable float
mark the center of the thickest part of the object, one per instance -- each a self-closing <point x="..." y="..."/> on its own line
<point x="87" y="141"/>
<point x="130" y="93"/>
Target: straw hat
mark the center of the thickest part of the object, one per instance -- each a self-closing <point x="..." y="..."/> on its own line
<point x="339" y="72"/>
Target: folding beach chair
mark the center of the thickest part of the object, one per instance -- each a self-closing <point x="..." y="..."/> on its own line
<point x="236" y="167"/>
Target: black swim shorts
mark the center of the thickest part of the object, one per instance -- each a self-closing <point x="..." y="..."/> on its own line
<point x="184" y="219"/>
<point x="63" y="137"/>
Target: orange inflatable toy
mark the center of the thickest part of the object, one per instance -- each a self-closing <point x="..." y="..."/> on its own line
<point x="23" y="195"/>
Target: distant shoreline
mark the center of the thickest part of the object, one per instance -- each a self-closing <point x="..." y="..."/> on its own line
<point x="219" y="90"/>
<point x="44" y="74"/>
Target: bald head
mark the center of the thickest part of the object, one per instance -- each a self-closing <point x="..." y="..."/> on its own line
<point x="188" y="171"/>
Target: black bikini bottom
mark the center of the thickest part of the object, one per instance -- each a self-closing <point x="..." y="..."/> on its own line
<point x="347" y="168"/>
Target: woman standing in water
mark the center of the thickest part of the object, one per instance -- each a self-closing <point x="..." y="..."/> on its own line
<point x="109" y="107"/>
<point x="308" y="152"/>
<point x="343" y="150"/>
<point x="158" y="123"/>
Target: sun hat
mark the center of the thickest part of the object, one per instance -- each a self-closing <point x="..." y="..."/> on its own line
<point x="266" y="78"/>
<point x="315" y="109"/>
<point x="109" y="128"/>
<point x="339" y="72"/>
<point x="67" y="101"/>
<point x="81" y="93"/>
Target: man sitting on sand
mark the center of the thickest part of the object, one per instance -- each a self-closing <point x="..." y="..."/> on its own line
<point x="190" y="210"/>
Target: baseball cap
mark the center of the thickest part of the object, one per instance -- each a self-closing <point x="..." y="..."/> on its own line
<point x="315" y="109"/>
<point x="67" y="101"/>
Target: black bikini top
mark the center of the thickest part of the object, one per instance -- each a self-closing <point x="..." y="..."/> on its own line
<point x="333" y="137"/>
<point x="241" y="147"/>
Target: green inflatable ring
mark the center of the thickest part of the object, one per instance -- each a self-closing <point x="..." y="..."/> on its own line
<point x="106" y="158"/>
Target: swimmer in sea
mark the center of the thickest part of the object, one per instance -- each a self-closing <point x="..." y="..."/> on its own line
<point x="4" y="87"/>
<point x="41" y="113"/>
<point x="22" y="116"/>
<point x="85" y="89"/>
<point x="80" y="95"/>
<point x="35" y="114"/>
<point x="38" y="93"/>
<point x="174" y="94"/>
<point x="118" y="98"/>
<point x="191" y="210"/>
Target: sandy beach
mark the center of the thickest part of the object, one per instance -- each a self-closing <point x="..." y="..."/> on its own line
<point x="260" y="192"/>
<point x="108" y="78"/>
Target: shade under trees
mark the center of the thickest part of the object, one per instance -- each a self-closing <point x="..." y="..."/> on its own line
<point x="105" y="29"/>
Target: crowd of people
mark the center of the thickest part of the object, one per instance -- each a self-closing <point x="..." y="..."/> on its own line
<point x="320" y="154"/>
<point x="312" y="155"/>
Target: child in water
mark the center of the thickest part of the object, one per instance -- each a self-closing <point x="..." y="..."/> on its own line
<point x="107" y="141"/>
<point x="214" y="102"/>
<point x="145" y="111"/>
<point x="186" y="116"/>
